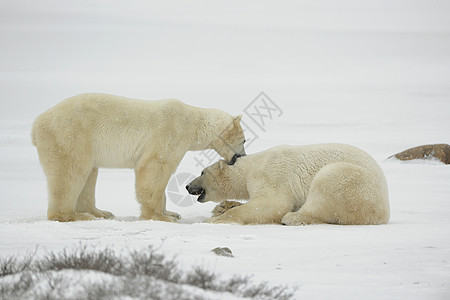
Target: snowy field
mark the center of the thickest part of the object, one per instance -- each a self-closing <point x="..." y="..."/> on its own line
<point x="374" y="74"/>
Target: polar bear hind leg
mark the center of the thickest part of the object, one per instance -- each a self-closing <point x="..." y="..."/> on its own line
<point x="342" y="193"/>
<point x="70" y="176"/>
<point x="66" y="180"/>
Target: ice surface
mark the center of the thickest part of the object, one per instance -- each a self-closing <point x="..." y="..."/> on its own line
<point x="372" y="74"/>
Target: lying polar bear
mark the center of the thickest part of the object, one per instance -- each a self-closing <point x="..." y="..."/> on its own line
<point x="298" y="185"/>
<point x="90" y="131"/>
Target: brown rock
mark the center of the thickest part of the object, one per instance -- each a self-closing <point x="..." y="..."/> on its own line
<point x="435" y="151"/>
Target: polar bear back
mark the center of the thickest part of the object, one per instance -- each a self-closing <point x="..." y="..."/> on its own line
<point x="296" y="166"/>
<point x="308" y="160"/>
<point x="116" y="128"/>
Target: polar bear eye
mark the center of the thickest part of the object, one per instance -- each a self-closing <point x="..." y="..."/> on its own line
<point x="203" y="172"/>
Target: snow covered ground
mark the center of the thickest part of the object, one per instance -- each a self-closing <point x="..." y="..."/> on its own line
<point x="372" y="74"/>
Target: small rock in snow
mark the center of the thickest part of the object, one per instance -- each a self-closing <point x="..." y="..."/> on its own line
<point x="225" y="251"/>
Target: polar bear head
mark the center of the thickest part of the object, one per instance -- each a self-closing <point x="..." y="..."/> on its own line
<point x="218" y="182"/>
<point x="229" y="142"/>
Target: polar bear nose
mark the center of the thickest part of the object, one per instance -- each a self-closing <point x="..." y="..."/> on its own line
<point x="194" y="190"/>
<point x="234" y="158"/>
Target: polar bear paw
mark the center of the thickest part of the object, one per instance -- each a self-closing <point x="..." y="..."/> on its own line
<point x="296" y="219"/>
<point x="173" y="214"/>
<point x="102" y="214"/>
<point x="224" y="207"/>
<point x="159" y="217"/>
<point x="70" y="217"/>
<point x="224" y="219"/>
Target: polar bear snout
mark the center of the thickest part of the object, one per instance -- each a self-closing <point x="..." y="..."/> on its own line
<point x="197" y="190"/>
<point x="194" y="190"/>
<point x="235" y="157"/>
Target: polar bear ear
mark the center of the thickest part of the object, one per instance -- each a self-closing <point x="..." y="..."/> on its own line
<point x="237" y="119"/>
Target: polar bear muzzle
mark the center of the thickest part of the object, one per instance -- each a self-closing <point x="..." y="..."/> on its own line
<point x="197" y="190"/>
<point x="234" y="158"/>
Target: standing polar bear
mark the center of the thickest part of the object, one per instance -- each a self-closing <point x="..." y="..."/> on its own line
<point x="90" y="131"/>
<point x="298" y="185"/>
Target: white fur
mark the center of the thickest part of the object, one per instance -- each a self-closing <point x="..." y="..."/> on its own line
<point x="294" y="185"/>
<point x="91" y="131"/>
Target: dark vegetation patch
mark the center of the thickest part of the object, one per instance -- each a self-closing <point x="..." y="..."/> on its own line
<point x="88" y="273"/>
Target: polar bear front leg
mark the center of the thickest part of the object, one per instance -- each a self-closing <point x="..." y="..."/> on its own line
<point x="151" y="181"/>
<point x="259" y="210"/>
<point x="86" y="200"/>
